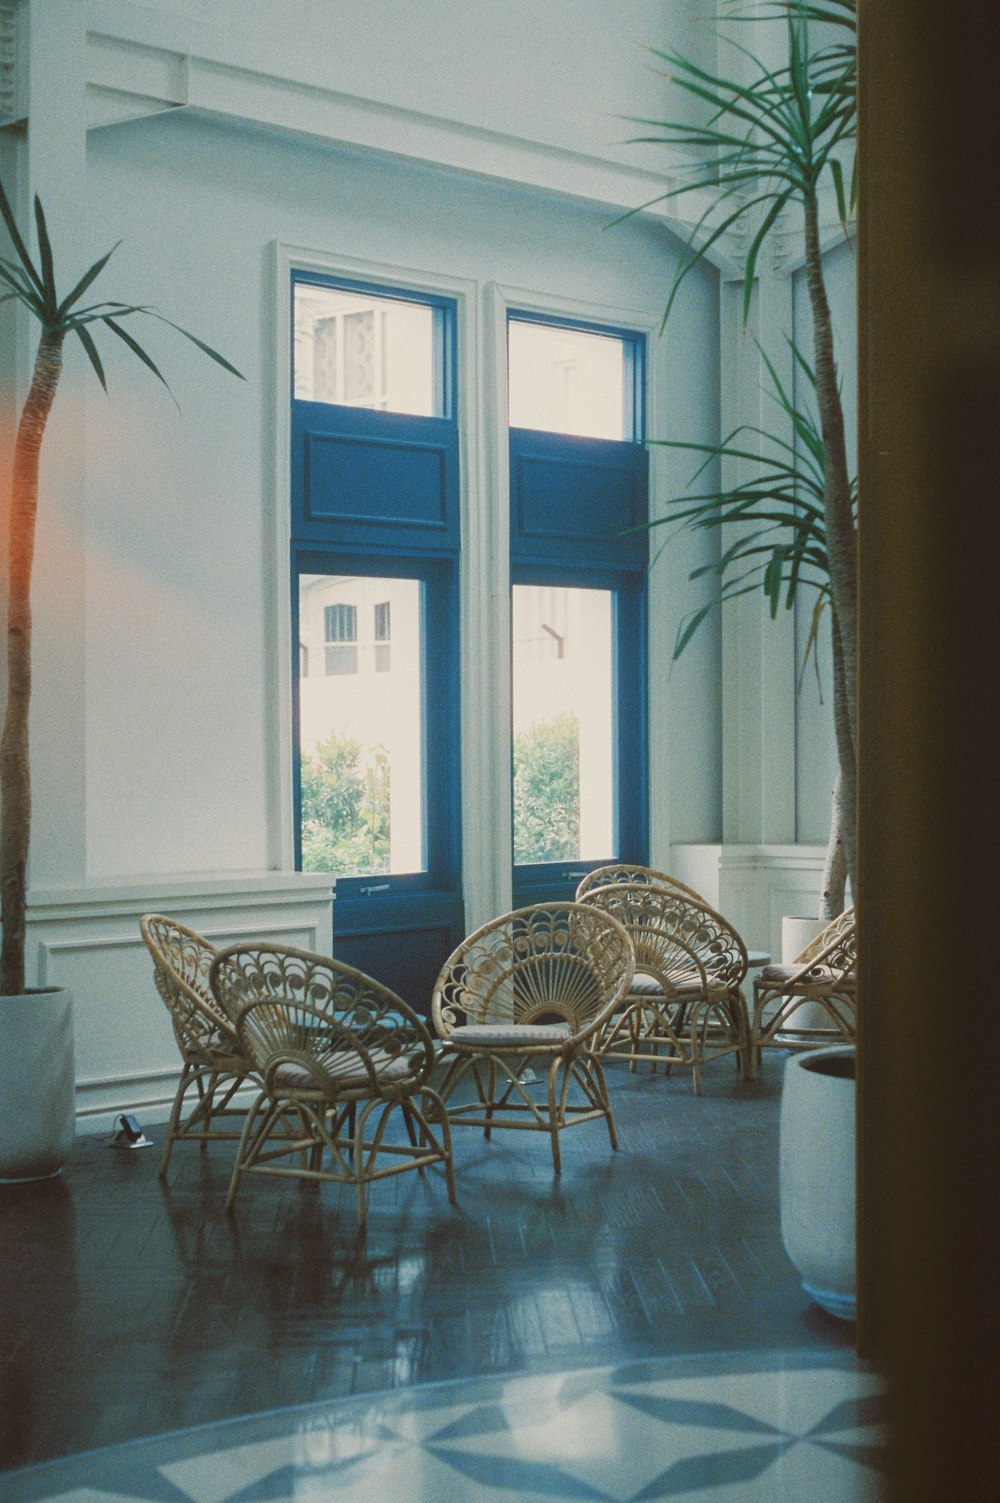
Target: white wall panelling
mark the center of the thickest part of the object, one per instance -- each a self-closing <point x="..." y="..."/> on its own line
<point x="88" y="940"/>
<point x="754" y="886"/>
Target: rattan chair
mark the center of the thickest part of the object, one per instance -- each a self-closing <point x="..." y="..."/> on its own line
<point x="339" y="1057"/>
<point x="618" y="872"/>
<point x="214" y="1063"/>
<point x="824" y="973"/>
<point x="685" y="1005"/>
<point x="532" y="989"/>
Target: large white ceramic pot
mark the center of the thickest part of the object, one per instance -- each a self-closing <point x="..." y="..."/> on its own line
<point x="37" y="1084"/>
<point x="817" y="1174"/>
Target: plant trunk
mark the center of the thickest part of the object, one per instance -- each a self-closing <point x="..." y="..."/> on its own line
<point x="15" y="770"/>
<point x="834" y="886"/>
<point x="841" y="544"/>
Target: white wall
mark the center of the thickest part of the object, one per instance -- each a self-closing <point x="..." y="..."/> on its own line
<point x="565" y="72"/>
<point x="181" y="527"/>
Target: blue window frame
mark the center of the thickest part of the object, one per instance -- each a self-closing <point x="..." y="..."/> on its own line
<point x="375" y="512"/>
<point x="577" y="508"/>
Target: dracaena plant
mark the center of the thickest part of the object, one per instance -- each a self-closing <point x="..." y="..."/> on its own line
<point x="32" y="283"/>
<point x="772" y="141"/>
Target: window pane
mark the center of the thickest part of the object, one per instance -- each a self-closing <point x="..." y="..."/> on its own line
<point x="563" y="722"/>
<point x="360" y="725"/>
<point x="357" y="349"/>
<point x="567" y="381"/>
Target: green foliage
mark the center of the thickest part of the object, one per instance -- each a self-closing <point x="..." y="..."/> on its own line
<point x="345" y="808"/>
<point x="34" y="287"/>
<point x="547" y="790"/>
<point x="765" y="145"/>
<point x="769" y="142"/>
<point x="781" y="496"/>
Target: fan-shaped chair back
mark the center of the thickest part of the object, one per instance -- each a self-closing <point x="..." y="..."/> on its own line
<point x="553" y="963"/>
<point x="623" y="872"/>
<point x="295" y="1010"/>
<point x="835" y="947"/>
<point x="182" y="960"/>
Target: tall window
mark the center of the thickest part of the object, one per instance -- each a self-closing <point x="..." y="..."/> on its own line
<point x="578" y="488"/>
<point x="375" y="538"/>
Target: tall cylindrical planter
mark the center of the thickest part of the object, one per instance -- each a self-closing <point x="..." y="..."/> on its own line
<point x="817" y="1174"/>
<point x="796" y="933"/>
<point x="37" y="1084"/>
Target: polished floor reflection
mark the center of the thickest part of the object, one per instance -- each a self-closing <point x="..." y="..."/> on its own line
<point x="776" y="1429"/>
<point x="131" y="1308"/>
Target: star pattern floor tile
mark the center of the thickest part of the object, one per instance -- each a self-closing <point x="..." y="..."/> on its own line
<point x="761" y="1428"/>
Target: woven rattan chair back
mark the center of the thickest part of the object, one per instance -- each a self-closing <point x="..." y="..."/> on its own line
<point x="834" y="947"/>
<point x="811" y="1002"/>
<point x="686" y="1005"/>
<point x="551" y="963"/>
<point x="337" y="1053"/>
<point x="659" y="922"/>
<point x="623" y="872"/>
<point x="339" y="1025"/>
<point x="213" y="1063"/>
<point x="182" y="959"/>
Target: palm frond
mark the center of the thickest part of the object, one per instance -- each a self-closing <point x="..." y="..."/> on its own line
<point x="776" y="504"/>
<point x="770" y="141"/>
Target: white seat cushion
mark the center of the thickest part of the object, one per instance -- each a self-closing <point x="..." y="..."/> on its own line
<point x="509" y="1035"/>
<point x="779" y="975"/>
<point x="346" y="1069"/>
<point x="643" y="985"/>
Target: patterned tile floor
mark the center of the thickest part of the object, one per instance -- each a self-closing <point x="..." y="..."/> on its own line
<point x="631" y="1328"/>
<point x="779" y="1428"/>
<point x="785" y="1428"/>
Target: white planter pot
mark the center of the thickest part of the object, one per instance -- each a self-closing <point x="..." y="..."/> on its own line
<point x="37" y="1084"/>
<point x="796" y="933"/>
<point x="817" y="1174"/>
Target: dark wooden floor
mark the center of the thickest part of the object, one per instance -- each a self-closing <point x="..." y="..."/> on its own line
<point x="131" y="1306"/>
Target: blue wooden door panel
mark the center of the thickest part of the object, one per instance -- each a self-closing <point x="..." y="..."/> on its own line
<point x="403" y="946"/>
<point x="579" y="496"/>
<point x="361" y="477"/>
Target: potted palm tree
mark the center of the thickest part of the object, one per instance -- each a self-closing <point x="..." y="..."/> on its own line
<point x="36" y="1035"/>
<point x="768" y="145"/>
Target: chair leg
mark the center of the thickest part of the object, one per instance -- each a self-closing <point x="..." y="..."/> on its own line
<point x="249" y="1140"/>
<point x="433" y="1109"/>
<point x="597" y="1075"/>
<point x="358" y="1159"/>
<point x="554" y="1115"/>
<point x="175" y="1115"/>
<point x="411" y="1130"/>
<point x="491" y="1079"/>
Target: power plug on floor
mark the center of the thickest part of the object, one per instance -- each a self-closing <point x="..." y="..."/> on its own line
<point x="129" y="1134"/>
